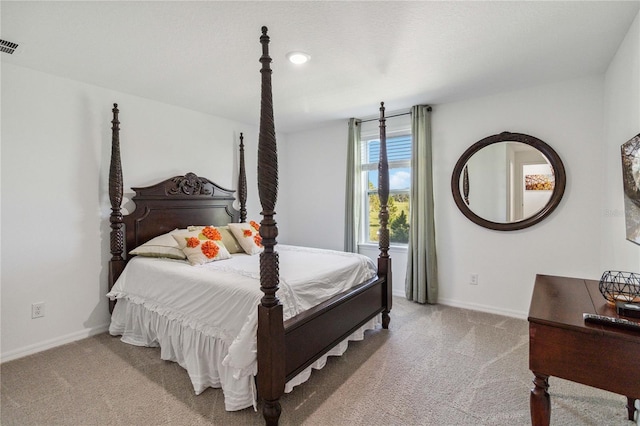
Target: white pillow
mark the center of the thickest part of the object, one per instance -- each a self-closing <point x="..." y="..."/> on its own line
<point x="202" y="246"/>
<point x="248" y="236"/>
<point x="161" y="246"/>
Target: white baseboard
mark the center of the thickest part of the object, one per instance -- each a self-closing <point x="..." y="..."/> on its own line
<point x="398" y="292"/>
<point x="471" y="306"/>
<point x="484" y="308"/>
<point x="52" y="343"/>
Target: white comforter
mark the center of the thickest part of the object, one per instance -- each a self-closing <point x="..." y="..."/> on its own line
<point x="205" y="317"/>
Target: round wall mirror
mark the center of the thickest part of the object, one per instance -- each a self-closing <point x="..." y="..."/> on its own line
<point x="508" y="181"/>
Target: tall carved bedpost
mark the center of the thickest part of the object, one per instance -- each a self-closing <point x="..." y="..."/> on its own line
<point x="116" y="265"/>
<point x="242" y="183"/>
<point x="384" y="261"/>
<point x="271" y="378"/>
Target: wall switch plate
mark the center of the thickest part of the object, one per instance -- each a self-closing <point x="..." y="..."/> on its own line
<point x="473" y="280"/>
<point x="37" y="310"/>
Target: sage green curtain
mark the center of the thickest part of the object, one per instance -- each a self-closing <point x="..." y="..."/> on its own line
<point x="421" y="284"/>
<point x="353" y="192"/>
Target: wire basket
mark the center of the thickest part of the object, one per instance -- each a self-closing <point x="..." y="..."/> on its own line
<point x="618" y="286"/>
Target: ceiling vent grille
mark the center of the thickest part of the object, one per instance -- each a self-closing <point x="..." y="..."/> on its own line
<point x="8" y="47"/>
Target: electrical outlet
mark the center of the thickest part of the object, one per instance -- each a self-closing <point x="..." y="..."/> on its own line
<point x="37" y="310"/>
<point x="473" y="280"/>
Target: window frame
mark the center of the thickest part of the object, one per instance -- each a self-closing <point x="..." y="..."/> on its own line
<point x="402" y="128"/>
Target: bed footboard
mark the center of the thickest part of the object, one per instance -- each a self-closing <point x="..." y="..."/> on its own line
<point x="311" y="334"/>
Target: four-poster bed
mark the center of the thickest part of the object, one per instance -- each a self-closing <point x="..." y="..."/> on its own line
<point x="288" y="341"/>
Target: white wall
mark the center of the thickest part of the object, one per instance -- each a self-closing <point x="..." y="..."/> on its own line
<point x="567" y="115"/>
<point x="314" y="212"/>
<point x="622" y="122"/>
<point x="56" y="137"/>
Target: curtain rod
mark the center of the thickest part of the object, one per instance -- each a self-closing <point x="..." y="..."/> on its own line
<point x="390" y="116"/>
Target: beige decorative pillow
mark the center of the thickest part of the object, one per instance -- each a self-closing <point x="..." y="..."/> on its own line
<point x="161" y="246"/>
<point x="202" y="246"/>
<point x="248" y="236"/>
<point x="228" y="239"/>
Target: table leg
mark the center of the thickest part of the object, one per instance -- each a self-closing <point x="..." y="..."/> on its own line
<point x="631" y="407"/>
<point x="540" y="402"/>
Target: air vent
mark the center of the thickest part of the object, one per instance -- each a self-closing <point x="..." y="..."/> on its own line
<point x="8" y="47"/>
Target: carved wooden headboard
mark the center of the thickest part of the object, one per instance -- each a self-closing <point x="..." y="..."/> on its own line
<point x="177" y="202"/>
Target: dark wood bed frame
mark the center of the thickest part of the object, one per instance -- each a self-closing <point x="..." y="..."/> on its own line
<point x="285" y="348"/>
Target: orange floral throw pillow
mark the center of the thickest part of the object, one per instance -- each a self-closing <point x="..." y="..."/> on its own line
<point x="248" y="236"/>
<point x="228" y="239"/>
<point x="203" y="245"/>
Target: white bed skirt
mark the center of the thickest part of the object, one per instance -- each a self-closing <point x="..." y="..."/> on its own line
<point x="202" y="355"/>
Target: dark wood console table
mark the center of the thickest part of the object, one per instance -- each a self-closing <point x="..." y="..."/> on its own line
<point x="561" y="344"/>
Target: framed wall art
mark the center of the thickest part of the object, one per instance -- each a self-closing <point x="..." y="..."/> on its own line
<point x="630" y="152"/>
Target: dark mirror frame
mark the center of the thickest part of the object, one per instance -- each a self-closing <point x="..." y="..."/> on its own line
<point x="546" y="150"/>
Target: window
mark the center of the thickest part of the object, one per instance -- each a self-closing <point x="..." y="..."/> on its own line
<point x="399" y="158"/>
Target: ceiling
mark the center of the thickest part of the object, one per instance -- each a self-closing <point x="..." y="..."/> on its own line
<point x="203" y="55"/>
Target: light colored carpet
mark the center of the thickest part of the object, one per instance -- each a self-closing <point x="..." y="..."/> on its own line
<point x="437" y="365"/>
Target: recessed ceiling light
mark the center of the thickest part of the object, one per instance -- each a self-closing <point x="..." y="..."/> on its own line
<point x="298" y="57"/>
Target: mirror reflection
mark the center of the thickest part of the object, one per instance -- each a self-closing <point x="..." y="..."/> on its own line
<point x="508" y="181"/>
